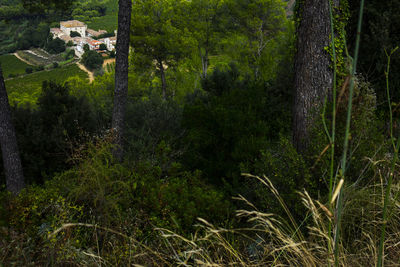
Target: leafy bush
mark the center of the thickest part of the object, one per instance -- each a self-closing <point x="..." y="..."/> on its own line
<point x="92" y="60"/>
<point x="103" y="47"/>
<point x="28" y="70"/>
<point x="142" y="195"/>
<point x="74" y="34"/>
<point x="48" y="135"/>
<point x="236" y="120"/>
<point x="55" y="46"/>
<point x="40" y="68"/>
<point x="154" y="131"/>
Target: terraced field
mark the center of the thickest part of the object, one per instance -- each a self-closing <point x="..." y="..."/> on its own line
<point x="11" y="65"/>
<point x="39" y="57"/>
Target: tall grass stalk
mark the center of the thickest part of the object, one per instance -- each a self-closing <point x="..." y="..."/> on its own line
<point x="333" y="130"/>
<point x="347" y="134"/>
<point x="393" y="165"/>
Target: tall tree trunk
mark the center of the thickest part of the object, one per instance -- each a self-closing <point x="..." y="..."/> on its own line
<point x="8" y="142"/>
<point x="121" y="76"/>
<point x="313" y="76"/>
<point x="163" y="81"/>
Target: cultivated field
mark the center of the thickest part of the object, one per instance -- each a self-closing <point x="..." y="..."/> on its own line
<point x="109" y="21"/>
<point x="12" y="65"/>
<point x="38" y="57"/>
<point x="26" y="89"/>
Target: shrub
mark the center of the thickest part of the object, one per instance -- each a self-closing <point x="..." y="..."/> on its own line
<point x="55" y="46"/>
<point x="28" y="70"/>
<point x="47" y="135"/>
<point x="74" y="34"/>
<point x="116" y="194"/>
<point x="55" y="65"/>
<point x="40" y="68"/>
<point x="92" y="60"/>
<point x="103" y="47"/>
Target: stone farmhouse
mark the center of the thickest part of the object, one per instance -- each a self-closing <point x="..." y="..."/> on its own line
<point x="73" y="25"/>
<point x="66" y="27"/>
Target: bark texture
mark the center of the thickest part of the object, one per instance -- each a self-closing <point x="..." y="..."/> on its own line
<point x="121" y="76"/>
<point x="313" y="76"/>
<point x="8" y="142"/>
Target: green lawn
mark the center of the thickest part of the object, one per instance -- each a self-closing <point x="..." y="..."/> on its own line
<point x="12" y="65"/>
<point x="26" y="89"/>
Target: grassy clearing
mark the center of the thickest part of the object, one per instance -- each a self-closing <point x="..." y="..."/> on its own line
<point x="12" y="65"/>
<point x="27" y="89"/>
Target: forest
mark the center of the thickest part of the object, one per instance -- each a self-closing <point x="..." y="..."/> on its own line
<point x="227" y="133"/>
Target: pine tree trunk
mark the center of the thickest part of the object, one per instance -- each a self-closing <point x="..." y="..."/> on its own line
<point x="121" y="76"/>
<point x="8" y="142"/>
<point x="313" y="75"/>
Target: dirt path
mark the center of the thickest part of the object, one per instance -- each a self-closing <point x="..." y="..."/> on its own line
<point x="20" y="58"/>
<point x="108" y="61"/>
<point x="91" y="76"/>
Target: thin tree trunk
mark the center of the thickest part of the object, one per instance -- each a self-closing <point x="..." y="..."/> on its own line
<point x="163" y="81"/>
<point x="313" y="76"/>
<point x="8" y="142"/>
<point x="204" y="62"/>
<point x="121" y="76"/>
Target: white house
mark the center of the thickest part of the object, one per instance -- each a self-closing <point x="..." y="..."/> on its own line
<point x="94" y="44"/>
<point x="73" y="25"/>
<point x="110" y="42"/>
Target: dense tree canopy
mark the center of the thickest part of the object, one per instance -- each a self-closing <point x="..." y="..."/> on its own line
<point x="92" y="60"/>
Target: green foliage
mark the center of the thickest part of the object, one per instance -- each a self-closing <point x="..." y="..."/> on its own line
<point x="158" y="35"/>
<point x="379" y="34"/>
<point x="75" y="34"/>
<point x="154" y="131"/>
<point x="108" y="20"/>
<point x="28" y="70"/>
<point x="236" y="121"/>
<point x="254" y="25"/>
<point x="48" y="134"/>
<point x="341" y="16"/>
<point x="70" y="54"/>
<point x="115" y="194"/>
<point x="289" y="174"/>
<point x="103" y="47"/>
<point x="55" y="46"/>
<point x="92" y="60"/>
<point x="12" y="65"/>
<point x="366" y="137"/>
<point x="26" y="90"/>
